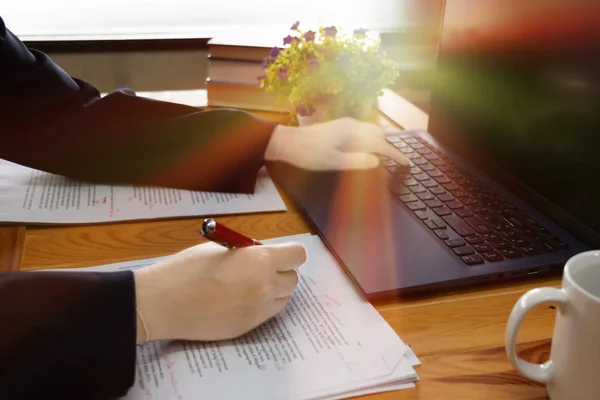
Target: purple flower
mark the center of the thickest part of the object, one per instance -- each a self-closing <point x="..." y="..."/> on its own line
<point x="313" y="64"/>
<point x="360" y="32"/>
<point x="309" y="36"/>
<point x="330" y="32"/>
<point x="295" y="26"/>
<point x="289" y="39"/>
<point x="260" y="77"/>
<point x="344" y="60"/>
<point x="274" y="52"/>
<point x="283" y="73"/>
<point x="301" y="110"/>
<point x="265" y="63"/>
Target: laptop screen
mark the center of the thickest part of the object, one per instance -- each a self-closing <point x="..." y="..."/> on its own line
<point x="517" y="93"/>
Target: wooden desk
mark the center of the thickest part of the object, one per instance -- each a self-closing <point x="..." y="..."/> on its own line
<point x="458" y="334"/>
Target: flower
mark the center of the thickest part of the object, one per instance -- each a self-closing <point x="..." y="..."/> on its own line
<point x="310" y="36"/>
<point x="274" y="52"/>
<point x="289" y="39"/>
<point x="295" y="26"/>
<point x="330" y="32"/>
<point x="260" y="78"/>
<point x="283" y="73"/>
<point x="313" y="64"/>
<point x="265" y="63"/>
<point x="360" y="32"/>
<point x="301" y="110"/>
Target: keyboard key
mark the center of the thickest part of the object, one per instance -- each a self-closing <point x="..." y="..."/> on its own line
<point x="437" y="190"/>
<point x="413" y="156"/>
<point x="478" y="224"/>
<point x="460" y="226"/>
<point x="563" y="245"/>
<point x="445" y="197"/>
<point x="421" y="177"/>
<point x="417" y="205"/>
<point x="423" y="151"/>
<point x="473" y="259"/>
<point x="408" y="198"/>
<point x="398" y="188"/>
<point x="410" y="139"/>
<point x="460" y="193"/>
<point x="393" y="139"/>
<point x="446" y="168"/>
<point x="502" y="245"/>
<point x="468" y="200"/>
<point x="421" y="214"/>
<point x="474" y="239"/>
<point x="434" y="203"/>
<point x="435" y="223"/>
<point x="431" y="156"/>
<point x="420" y="162"/>
<point x="410" y="182"/>
<point x="518" y="242"/>
<point x="452" y="173"/>
<point x="463" y="251"/>
<point x="493" y="256"/>
<point x="429" y="184"/>
<point x="415" y="170"/>
<point x="442" y="179"/>
<point x="492" y="237"/>
<point x="530" y="250"/>
<point x="400" y="145"/>
<point x="549" y="247"/>
<point x="441" y="234"/>
<point x="426" y="196"/>
<point x="441" y="211"/>
<point x="464" y="212"/>
<point x="512" y="253"/>
<point x="388" y="163"/>
<point x="438" y="163"/>
<point x="455" y="204"/>
<point x="417" y="146"/>
<point x="427" y="167"/>
<point x="483" y="247"/>
<point x="435" y="173"/>
<point x="512" y="234"/>
<point x="455" y="243"/>
<point x="417" y="189"/>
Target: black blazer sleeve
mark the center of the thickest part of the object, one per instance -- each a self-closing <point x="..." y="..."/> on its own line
<point x="66" y="335"/>
<point x="55" y="123"/>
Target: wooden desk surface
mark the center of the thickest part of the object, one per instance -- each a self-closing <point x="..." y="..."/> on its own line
<point x="457" y="334"/>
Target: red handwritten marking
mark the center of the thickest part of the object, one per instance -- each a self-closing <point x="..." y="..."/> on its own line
<point x="174" y="383"/>
<point x="328" y="297"/>
<point x="104" y="200"/>
<point x="278" y="366"/>
<point x="148" y="394"/>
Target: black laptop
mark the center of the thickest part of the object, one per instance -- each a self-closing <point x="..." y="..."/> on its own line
<point x="504" y="184"/>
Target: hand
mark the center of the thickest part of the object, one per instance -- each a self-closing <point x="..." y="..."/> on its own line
<point x="208" y="292"/>
<point x="335" y="145"/>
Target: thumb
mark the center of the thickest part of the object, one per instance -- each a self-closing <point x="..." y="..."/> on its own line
<point x="355" y="161"/>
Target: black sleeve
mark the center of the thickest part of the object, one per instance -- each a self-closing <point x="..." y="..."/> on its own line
<point x="58" y="124"/>
<point x="66" y="335"/>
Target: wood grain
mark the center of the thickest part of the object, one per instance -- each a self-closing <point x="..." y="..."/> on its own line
<point x="12" y="242"/>
<point x="475" y="375"/>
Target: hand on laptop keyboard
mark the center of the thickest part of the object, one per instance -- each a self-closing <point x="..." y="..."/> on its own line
<point x="341" y="144"/>
<point x="474" y="222"/>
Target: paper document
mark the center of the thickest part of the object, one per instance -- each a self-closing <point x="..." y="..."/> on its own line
<point x="32" y="196"/>
<point x="328" y="343"/>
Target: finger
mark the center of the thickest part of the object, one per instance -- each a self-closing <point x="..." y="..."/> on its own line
<point x="386" y="149"/>
<point x="286" y="257"/>
<point x="279" y="305"/>
<point x="285" y="283"/>
<point x="372" y="142"/>
<point x="352" y="161"/>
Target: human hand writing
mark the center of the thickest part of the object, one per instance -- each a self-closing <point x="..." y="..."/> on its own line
<point x="208" y="292"/>
<point x="340" y="144"/>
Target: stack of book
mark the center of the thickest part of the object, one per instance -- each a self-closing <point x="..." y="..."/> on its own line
<point x="234" y="65"/>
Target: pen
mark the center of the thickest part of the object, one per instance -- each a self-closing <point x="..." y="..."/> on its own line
<point x="220" y="234"/>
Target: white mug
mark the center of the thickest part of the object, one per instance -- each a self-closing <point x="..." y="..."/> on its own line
<point x="573" y="371"/>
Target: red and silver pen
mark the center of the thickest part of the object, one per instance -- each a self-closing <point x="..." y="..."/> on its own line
<point x="225" y="236"/>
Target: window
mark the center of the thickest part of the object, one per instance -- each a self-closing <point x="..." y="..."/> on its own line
<point x="197" y="18"/>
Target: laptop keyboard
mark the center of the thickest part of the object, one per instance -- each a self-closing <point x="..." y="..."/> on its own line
<point x="475" y="222"/>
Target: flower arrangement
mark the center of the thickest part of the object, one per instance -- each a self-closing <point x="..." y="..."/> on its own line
<point x="328" y="72"/>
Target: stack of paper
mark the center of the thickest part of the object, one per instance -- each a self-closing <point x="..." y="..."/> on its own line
<point x="328" y="343"/>
<point x="32" y="196"/>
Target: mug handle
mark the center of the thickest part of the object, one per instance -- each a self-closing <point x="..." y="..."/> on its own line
<point x="541" y="373"/>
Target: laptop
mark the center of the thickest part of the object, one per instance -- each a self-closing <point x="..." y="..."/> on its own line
<point x="505" y="182"/>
